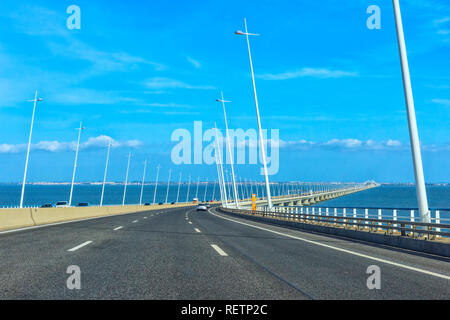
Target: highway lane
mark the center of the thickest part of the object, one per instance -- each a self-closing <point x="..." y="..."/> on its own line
<point x="161" y="257"/>
<point x="183" y="254"/>
<point x="317" y="268"/>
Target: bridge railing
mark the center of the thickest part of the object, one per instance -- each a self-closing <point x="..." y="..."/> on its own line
<point x="389" y="221"/>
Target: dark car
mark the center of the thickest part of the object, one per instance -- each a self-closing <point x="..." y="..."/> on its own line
<point x="160" y="203"/>
<point x="47" y="205"/>
<point x="172" y="202"/>
<point x="147" y="204"/>
<point x="83" y="204"/>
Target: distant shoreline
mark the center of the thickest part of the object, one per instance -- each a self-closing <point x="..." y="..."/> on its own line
<point x="444" y="184"/>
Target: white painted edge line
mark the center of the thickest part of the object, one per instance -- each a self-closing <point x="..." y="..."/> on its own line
<point x="145" y="217"/>
<point x="443" y="276"/>
<point x="190" y="222"/>
<point x="219" y="251"/>
<point x="80" y="246"/>
<point x="118" y="228"/>
<point x="196" y="230"/>
<point x="134" y="221"/>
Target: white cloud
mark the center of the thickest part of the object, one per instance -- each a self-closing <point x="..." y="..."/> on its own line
<point x="161" y="82"/>
<point x="92" y="143"/>
<point x="194" y="62"/>
<point x="343" y="144"/>
<point x="308" y="72"/>
<point x="445" y="102"/>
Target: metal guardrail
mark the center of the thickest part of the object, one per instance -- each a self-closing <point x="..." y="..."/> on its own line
<point x="389" y="226"/>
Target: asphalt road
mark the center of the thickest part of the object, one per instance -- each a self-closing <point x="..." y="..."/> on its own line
<point x="184" y="254"/>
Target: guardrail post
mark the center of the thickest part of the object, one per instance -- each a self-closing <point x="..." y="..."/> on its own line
<point x="335" y="216"/>
<point x="344" y="214"/>
<point x="380" y="217"/>
<point x="412" y="220"/>
<point x="354" y="216"/>
<point x="438" y="221"/>
<point x="366" y="215"/>
<point x="394" y="214"/>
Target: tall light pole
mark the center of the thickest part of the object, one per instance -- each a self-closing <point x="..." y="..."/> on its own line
<point x="36" y="99"/>
<point x="263" y="152"/>
<point x="126" y="180"/>
<point x="156" y="183"/>
<point x="75" y="162"/>
<point x="230" y="154"/>
<point x="189" y="186"/>
<point x="104" y="176"/>
<point x="196" y="192"/>
<point x="219" y="163"/>
<point x="214" y="191"/>
<point x="142" y="184"/>
<point x="178" y="192"/>
<point x="206" y="188"/>
<point x="168" y="185"/>
<point x="413" y="132"/>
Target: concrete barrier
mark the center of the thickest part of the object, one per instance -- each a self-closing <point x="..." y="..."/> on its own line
<point x="16" y="218"/>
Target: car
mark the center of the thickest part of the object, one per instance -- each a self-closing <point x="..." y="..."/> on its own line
<point x="160" y="203"/>
<point x="83" y="204"/>
<point x="202" y="207"/>
<point x="47" y="205"/>
<point x="173" y="202"/>
<point x="147" y="204"/>
<point x="62" y="204"/>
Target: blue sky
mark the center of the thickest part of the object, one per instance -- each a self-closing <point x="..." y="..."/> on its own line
<point x="137" y="70"/>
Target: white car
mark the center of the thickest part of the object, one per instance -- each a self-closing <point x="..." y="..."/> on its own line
<point x="202" y="208"/>
<point x="62" y="204"/>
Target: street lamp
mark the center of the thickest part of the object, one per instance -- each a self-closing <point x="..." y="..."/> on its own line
<point x="104" y="176"/>
<point x="142" y="184"/>
<point x="412" y="123"/>
<point x="263" y="152"/>
<point x="75" y="162"/>
<point x="126" y="180"/>
<point x="168" y="185"/>
<point x="156" y="183"/>
<point x="36" y="99"/>
<point x="229" y="150"/>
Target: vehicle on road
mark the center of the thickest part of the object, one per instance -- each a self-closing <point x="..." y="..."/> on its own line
<point x="160" y="203"/>
<point x="62" y="204"/>
<point x="202" y="207"/>
<point x="47" y="205"/>
<point x="173" y="202"/>
<point x="83" y="204"/>
<point x="147" y="204"/>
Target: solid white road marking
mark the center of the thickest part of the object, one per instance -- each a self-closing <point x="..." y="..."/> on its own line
<point x="134" y="221"/>
<point x="219" y="251"/>
<point x="118" y="228"/>
<point x="80" y="246"/>
<point x="443" y="276"/>
<point x="197" y="230"/>
<point x="190" y="222"/>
